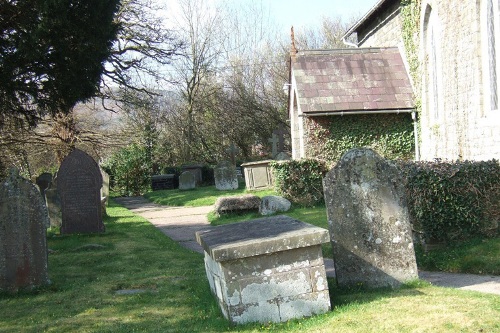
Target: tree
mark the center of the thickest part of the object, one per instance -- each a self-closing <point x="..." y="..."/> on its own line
<point x="52" y="54"/>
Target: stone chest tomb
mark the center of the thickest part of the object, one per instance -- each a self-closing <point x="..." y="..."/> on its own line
<point x="79" y="183"/>
<point x="258" y="175"/>
<point x="266" y="270"/>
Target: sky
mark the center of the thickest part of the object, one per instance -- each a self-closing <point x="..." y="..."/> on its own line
<point x="303" y="13"/>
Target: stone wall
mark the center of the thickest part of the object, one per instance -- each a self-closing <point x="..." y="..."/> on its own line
<point x="385" y="31"/>
<point x="464" y="127"/>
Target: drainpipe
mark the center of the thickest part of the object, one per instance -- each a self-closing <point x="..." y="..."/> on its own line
<point x="415" y="131"/>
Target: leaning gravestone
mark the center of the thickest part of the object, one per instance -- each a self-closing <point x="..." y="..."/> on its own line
<point x="369" y="223"/>
<point x="79" y="184"/>
<point x="23" y="242"/>
<point x="187" y="181"/>
<point x="225" y="176"/>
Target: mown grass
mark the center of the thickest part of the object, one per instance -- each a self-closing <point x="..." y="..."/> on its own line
<point x="478" y="255"/>
<point x="87" y="270"/>
<point x="200" y="196"/>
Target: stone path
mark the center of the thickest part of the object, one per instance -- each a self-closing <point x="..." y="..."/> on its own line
<point x="181" y="224"/>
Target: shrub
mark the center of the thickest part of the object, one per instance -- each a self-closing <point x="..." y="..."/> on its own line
<point x="300" y="181"/>
<point x="452" y="201"/>
<point x="130" y="170"/>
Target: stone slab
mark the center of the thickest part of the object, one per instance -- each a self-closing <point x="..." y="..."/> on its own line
<point x="259" y="236"/>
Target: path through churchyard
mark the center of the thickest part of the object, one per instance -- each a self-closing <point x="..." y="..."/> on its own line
<point x="181" y="224"/>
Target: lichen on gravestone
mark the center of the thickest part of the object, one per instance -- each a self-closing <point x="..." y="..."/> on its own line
<point x="369" y="222"/>
<point x="23" y="223"/>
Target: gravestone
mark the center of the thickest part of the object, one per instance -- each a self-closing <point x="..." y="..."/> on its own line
<point x="280" y="135"/>
<point x="105" y="186"/>
<point x="258" y="175"/>
<point x="187" y="181"/>
<point x="369" y="223"/>
<point x="282" y="157"/>
<point x="266" y="270"/>
<point x="225" y="176"/>
<point x="79" y="183"/>
<point x="273" y="140"/>
<point x="53" y="203"/>
<point x="196" y="170"/>
<point x="232" y="151"/>
<point x="23" y="242"/>
<point x="43" y="182"/>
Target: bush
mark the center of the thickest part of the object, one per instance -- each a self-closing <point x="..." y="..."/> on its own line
<point x="453" y="201"/>
<point x="300" y="181"/>
<point x="130" y="170"/>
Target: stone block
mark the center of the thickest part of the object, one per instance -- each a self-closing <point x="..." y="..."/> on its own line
<point x="268" y="269"/>
<point x="239" y="203"/>
<point x="273" y="204"/>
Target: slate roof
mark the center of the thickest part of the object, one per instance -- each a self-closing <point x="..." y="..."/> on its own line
<point x="358" y="79"/>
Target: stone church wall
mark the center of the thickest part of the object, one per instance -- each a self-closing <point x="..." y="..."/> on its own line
<point x="462" y="128"/>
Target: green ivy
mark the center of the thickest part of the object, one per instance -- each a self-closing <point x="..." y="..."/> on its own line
<point x="453" y="201"/>
<point x="300" y="181"/>
<point x="390" y="135"/>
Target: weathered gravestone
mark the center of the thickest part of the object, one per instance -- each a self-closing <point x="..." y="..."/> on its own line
<point x="225" y="176"/>
<point x="79" y="183"/>
<point x="196" y="170"/>
<point x="268" y="269"/>
<point x="23" y="246"/>
<point x="105" y="186"/>
<point x="43" y="182"/>
<point x="369" y="223"/>
<point x="53" y="203"/>
<point x="187" y="181"/>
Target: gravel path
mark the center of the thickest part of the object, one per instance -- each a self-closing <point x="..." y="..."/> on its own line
<point x="181" y="224"/>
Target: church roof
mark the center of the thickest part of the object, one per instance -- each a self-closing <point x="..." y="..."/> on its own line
<point x="347" y="80"/>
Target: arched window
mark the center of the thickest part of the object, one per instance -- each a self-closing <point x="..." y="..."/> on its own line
<point x="491" y="42"/>
<point x="432" y="78"/>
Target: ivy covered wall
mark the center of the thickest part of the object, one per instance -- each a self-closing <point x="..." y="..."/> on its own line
<point x="390" y="135"/>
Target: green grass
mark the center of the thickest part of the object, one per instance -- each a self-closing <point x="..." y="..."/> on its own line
<point x="200" y="196"/>
<point x="87" y="270"/>
<point x="479" y="256"/>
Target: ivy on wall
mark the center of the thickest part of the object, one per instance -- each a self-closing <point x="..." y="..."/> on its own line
<point x="390" y="135"/>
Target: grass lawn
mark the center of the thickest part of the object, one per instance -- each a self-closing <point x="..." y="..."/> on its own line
<point x="87" y="270"/>
<point x="200" y="196"/>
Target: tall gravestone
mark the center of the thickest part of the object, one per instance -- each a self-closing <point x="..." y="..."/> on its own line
<point x="79" y="182"/>
<point x="369" y="223"/>
<point x="23" y="242"/>
<point x="225" y="176"/>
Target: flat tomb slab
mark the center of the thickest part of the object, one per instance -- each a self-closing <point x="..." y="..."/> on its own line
<point x="267" y="270"/>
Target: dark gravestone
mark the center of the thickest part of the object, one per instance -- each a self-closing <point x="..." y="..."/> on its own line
<point x="43" y="182"/>
<point x="79" y="184"/>
<point x="369" y="222"/>
<point x="163" y="182"/>
<point x="23" y="246"/>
